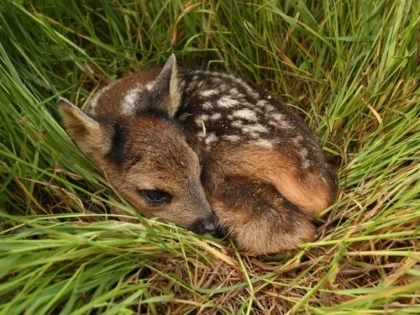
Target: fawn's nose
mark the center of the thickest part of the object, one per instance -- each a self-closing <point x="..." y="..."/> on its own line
<point x="207" y="225"/>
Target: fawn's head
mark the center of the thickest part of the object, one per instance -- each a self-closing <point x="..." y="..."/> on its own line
<point x="145" y="155"/>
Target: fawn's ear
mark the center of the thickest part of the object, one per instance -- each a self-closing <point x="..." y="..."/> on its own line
<point x="84" y="130"/>
<point x="164" y="96"/>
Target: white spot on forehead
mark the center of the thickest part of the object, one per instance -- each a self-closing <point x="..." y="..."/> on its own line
<point x="208" y="93"/>
<point x="211" y="137"/>
<point x="216" y="116"/>
<point x="227" y="102"/>
<point x="129" y="101"/>
<point x="246" y="114"/>
<point x="264" y="143"/>
<point x="232" y="138"/>
<point x="254" y="128"/>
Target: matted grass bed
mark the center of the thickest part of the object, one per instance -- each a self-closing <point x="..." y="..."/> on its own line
<point x="350" y="68"/>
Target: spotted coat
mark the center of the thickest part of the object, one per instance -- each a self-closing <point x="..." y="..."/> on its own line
<point x="263" y="172"/>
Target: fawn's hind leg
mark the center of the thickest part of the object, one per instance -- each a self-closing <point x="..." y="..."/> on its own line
<point x="260" y="220"/>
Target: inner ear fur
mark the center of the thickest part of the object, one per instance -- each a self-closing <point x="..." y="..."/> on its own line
<point x="164" y="96"/>
<point x="85" y="131"/>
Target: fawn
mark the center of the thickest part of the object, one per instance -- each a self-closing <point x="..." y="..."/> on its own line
<point x="206" y="150"/>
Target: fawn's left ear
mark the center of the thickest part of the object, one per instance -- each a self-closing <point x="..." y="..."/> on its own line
<point x="165" y="95"/>
<point x="84" y="130"/>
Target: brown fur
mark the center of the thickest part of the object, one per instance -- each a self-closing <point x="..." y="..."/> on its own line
<point x="263" y="173"/>
<point x="311" y="191"/>
<point x="260" y="219"/>
<point x="262" y="199"/>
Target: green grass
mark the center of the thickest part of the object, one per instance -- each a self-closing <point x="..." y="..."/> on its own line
<point x="350" y="68"/>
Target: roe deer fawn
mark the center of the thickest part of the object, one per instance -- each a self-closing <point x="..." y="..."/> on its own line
<point x="205" y="149"/>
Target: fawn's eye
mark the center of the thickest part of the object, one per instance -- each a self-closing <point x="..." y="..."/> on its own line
<point x="155" y="197"/>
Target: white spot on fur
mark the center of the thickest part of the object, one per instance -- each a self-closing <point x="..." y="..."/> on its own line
<point x="129" y="102"/>
<point x="210" y="138"/>
<point x="201" y="135"/>
<point x="297" y="141"/>
<point x="208" y="93"/>
<point x="207" y="105"/>
<point x="262" y="103"/>
<point x="227" y="102"/>
<point x="246" y="114"/>
<point x="256" y="128"/>
<point x="248" y="89"/>
<point x="254" y="135"/>
<point x="216" y="116"/>
<point x="201" y="119"/>
<point x="181" y="84"/>
<point x="269" y="108"/>
<point x="184" y="116"/>
<point x="232" y="138"/>
<point x="234" y="92"/>
<point x="264" y="143"/>
<point x="237" y="124"/>
<point x="278" y="117"/>
<point x="222" y="86"/>
<point x="279" y="120"/>
<point x="306" y="164"/>
<point x="149" y="85"/>
<point x="91" y="110"/>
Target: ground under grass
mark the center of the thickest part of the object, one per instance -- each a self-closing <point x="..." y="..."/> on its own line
<point x="350" y="68"/>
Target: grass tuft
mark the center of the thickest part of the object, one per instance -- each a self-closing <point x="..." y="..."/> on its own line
<point x="350" y="68"/>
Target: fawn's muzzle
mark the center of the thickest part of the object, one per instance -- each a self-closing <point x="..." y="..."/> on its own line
<point x="207" y="225"/>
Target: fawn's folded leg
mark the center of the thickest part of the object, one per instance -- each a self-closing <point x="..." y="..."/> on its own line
<point x="260" y="220"/>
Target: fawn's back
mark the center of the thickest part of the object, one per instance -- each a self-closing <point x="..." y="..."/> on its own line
<point x="258" y="165"/>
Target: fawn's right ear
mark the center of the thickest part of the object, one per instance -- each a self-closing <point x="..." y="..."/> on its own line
<point x="164" y="95"/>
<point x="84" y="130"/>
